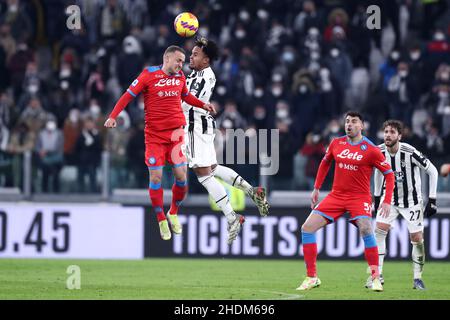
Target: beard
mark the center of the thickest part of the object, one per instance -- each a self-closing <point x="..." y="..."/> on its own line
<point x="391" y="143"/>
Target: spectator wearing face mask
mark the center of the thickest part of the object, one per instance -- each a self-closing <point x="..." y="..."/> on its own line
<point x="337" y="18"/>
<point x="431" y="12"/>
<point x="306" y="107"/>
<point x="16" y="15"/>
<point x="416" y="62"/>
<point x="130" y="61"/>
<point x="438" y="52"/>
<point x="438" y="102"/>
<point x="33" y="86"/>
<point x="389" y="68"/>
<point x="308" y="18"/>
<point x="21" y="140"/>
<point x="7" y="42"/>
<point x="116" y="142"/>
<point x="331" y="97"/>
<point x="283" y="179"/>
<point x="341" y="67"/>
<point x="34" y="115"/>
<point x="17" y="67"/>
<point x="314" y="150"/>
<point x="49" y="150"/>
<point x="403" y="93"/>
<point x="89" y="150"/>
<point x="96" y="84"/>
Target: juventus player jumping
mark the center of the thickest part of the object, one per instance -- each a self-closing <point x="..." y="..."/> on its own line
<point x="200" y="141"/>
<point x="405" y="161"/>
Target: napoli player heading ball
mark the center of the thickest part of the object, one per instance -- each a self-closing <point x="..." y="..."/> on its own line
<point x="163" y="87"/>
<point x="355" y="157"/>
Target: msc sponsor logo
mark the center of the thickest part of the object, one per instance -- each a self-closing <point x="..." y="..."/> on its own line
<point x="350" y="167"/>
<point x="167" y="93"/>
<point x="346" y="154"/>
<point x="168" y="82"/>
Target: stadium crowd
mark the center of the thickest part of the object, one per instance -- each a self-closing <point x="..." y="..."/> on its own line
<point x="296" y="66"/>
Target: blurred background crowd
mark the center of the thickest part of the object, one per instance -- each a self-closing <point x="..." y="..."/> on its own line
<point x="292" y="65"/>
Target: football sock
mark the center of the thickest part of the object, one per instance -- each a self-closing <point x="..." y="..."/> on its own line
<point x="418" y="258"/>
<point x="371" y="254"/>
<point x="179" y="190"/>
<point x="310" y="253"/>
<point x="380" y="235"/>
<point x="232" y="178"/>
<point x="217" y="191"/>
<point x="156" y="196"/>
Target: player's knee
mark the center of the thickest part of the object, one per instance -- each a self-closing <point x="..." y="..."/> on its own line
<point x="155" y="179"/>
<point x="383" y="226"/>
<point x="365" y="230"/>
<point x="308" y="228"/>
<point x="203" y="178"/>
<point x="416" y="237"/>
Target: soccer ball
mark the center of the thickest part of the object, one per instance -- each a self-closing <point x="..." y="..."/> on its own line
<point x="186" y="24"/>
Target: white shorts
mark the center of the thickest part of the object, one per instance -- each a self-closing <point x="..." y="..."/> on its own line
<point x="200" y="150"/>
<point x="413" y="215"/>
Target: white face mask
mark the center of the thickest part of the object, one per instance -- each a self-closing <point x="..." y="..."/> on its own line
<point x="50" y="126"/>
<point x="141" y="106"/>
<point x="64" y="73"/>
<point x="439" y="36"/>
<point x="277" y="91"/>
<point x="324" y="73"/>
<point x="315" y="55"/>
<point x="403" y="73"/>
<point x="276" y="77"/>
<point x="244" y="15"/>
<point x="64" y="85"/>
<point x="395" y="55"/>
<point x="334" y="129"/>
<point x="282" y="113"/>
<point x="380" y="135"/>
<point x="287" y="56"/>
<point x="95" y="109"/>
<point x="73" y="117"/>
<point x="303" y="89"/>
<point x="239" y="34"/>
<point x="260" y="114"/>
<point x="13" y="8"/>
<point x="445" y="76"/>
<point x="259" y="93"/>
<point x="221" y="91"/>
<point x="415" y="55"/>
<point x="33" y="88"/>
<point x="443" y="94"/>
<point x="334" y="52"/>
<point x="262" y="14"/>
<point x="204" y="32"/>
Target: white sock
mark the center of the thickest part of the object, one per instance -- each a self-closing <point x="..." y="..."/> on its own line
<point x="380" y="235"/>
<point x="418" y="258"/>
<point x="232" y="178"/>
<point x="218" y="193"/>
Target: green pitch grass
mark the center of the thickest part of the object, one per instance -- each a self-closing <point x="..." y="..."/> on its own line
<point x="201" y="279"/>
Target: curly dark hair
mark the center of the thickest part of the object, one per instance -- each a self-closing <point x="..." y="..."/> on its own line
<point x="209" y="47"/>
<point x="396" y="124"/>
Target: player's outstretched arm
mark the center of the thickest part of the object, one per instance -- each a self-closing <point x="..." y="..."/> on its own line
<point x="194" y="101"/>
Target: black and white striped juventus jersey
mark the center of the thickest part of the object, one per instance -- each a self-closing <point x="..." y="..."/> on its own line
<point x="406" y="164"/>
<point x="200" y="84"/>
